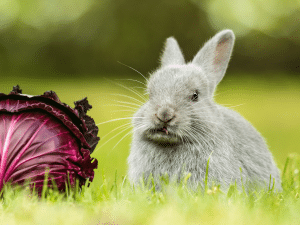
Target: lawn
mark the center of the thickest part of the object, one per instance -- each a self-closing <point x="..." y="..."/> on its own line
<point x="271" y="102"/>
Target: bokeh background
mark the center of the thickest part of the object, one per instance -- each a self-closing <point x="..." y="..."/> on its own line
<point x="74" y="47"/>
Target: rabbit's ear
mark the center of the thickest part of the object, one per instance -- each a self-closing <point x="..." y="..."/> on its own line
<point x="172" y="54"/>
<point x="214" y="56"/>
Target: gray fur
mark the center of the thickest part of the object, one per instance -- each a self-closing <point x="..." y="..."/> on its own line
<point x="199" y="129"/>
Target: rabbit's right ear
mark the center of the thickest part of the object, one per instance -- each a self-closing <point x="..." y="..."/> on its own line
<point x="172" y="54"/>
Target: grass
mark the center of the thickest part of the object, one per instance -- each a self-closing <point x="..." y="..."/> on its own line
<point x="271" y="102"/>
<point x="119" y="203"/>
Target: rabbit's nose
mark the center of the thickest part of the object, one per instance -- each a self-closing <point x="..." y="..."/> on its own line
<point x="165" y="116"/>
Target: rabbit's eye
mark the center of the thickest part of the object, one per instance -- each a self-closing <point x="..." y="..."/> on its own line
<point x="195" y="96"/>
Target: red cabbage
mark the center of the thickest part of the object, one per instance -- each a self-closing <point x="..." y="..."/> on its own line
<point x="39" y="134"/>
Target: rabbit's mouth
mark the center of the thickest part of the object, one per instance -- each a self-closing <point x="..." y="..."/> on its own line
<point x="164" y="130"/>
<point x="162" y="136"/>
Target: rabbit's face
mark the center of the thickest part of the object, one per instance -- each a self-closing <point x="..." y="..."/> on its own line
<point x="178" y="96"/>
<point x="180" y="107"/>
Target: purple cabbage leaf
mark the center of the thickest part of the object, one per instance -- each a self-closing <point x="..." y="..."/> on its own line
<point x="39" y="134"/>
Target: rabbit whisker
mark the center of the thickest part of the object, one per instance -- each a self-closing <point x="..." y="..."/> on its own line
<point x="125" y="118"/>
<point x="128" y="133"/>
<point x="144" y="84"/>
<point x="139" y="87"/>
<point x="215" y="122"/>
<point x="124" y="110"/>
<point x="119" y="105"/>
<point x="126" y="124"/>
<point x="134" y="70"/>
<point x="127" y="96"/>
<point x="114" y="136"/>
<point x="210" y="135"/>
<point x="191" y="134"/>
<point x="133" y="91"/>
<point x="129" y="89"/>
<point x="233" y="106"/>
<point x="129" y="103"/>
<point x="222" y="92"/>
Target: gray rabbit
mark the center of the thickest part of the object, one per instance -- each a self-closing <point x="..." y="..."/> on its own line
<point x="181" y="126"/>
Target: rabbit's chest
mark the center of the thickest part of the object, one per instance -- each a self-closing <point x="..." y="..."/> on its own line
<point x="176" y="161"/>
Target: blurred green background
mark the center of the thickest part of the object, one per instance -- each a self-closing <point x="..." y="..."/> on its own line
<point x="72" y="46"/>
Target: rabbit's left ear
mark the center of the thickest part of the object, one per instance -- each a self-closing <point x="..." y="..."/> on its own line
<point x="172" y="54"/>
<point x="214" y="56"/>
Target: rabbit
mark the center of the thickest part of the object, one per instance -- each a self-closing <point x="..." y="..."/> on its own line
<point x="180" y="127"/>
